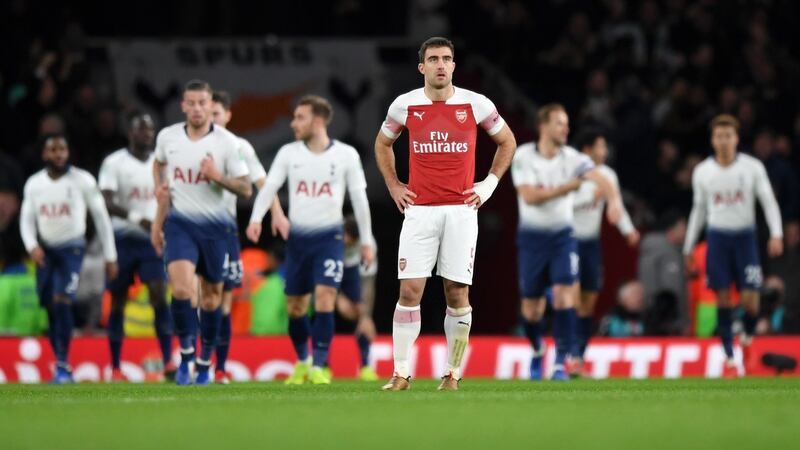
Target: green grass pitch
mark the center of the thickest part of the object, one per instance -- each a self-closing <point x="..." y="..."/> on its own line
<point x="615" y="414"/>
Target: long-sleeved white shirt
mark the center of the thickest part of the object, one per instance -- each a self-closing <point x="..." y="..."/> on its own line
<point x="54" y="211"/>
<point x="724" y="198"/>
<point x="317" y="184"/>
<point x="589" y="208"/>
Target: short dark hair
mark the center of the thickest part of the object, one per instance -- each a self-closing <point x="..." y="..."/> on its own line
<point x="138" y="116"/>
<point x="724" y="120"/>
<point x="197" y="85"/>
<point x="47" y="136"/>
<point x="588" y="137"/>
<point x="223" y="98"/>
<point x="435" y="41"/>
<point x="320" y="107"/>
<point x="544" y="112"/>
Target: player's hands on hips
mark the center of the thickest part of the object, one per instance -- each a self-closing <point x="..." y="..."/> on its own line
<point x="367" y="255"/>
<point x="280" y="225"/>
<point x="633" y="238"/>
<point x="209" y="169"/>
<point x="614" y="211"/>
<point x="37" y="255"/>
<point x="157" y="239"/>
<point x="112" y="270"/>
<point x="775" y="247"/>
<point x="254" y="231"/>
<point x="402" y="196"/>
<point x="481" y="191"/>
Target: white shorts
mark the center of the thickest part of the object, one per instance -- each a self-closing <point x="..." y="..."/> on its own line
<point x="443" y="235"/>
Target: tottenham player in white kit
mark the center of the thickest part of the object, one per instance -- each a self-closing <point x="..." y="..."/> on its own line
<point x="588" y="210"/>
<point x="546" y="174"/>
<point x="53" y="228"/>
<point x="318" y="170"/>
<point x="126" y="180"/>
<point x="440" y="201"/>
<point x="222" y="115"/>
<point x="196" y="161"/>
<point x="726" y="186"/>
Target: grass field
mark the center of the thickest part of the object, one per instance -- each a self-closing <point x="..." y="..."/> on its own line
<point x="615" y="414"/>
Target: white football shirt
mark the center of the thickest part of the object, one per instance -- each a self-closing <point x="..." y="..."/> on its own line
<point x="589" y="208"/>
<point x="131" y="180"/>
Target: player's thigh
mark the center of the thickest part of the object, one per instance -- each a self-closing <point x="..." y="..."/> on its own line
<point x="67" y="272"/>
<point x="590" y="265"/>
<point x="213" y="254"/>
<point x="328" y="263"/>
<point x="457" y="251"/>
<point x="720" y="260"/>
<point x="565" y="262"/>
<point x="532" y="266"/>
<point x="419" y="242"/>
<point x="44" y="281"/>
<point x="748" y="267"/>
<point x="182" y="278"/>
<point x="298" y="267"/>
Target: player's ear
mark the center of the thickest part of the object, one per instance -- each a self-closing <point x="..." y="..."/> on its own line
<point x="421" y="68"/>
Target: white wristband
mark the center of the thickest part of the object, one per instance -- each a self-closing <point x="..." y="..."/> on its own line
<point x="135" y="217"/>
<point x="485" y="188"/>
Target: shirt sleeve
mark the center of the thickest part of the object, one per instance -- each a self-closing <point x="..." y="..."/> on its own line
<point x="486" y="115"/>
<point x="277" y="175"/>
<point x="254" y="166"/>
<point x="161" y="143"/>
<point x="521" y="172"/>
<point x="395" y="119"/>
<point x="107" y="178"/>
<point x="102" y="222"/>
<point x="772" y="212"/>
<point x="235" y="165"/>
<point x="582" y="164"/>
<point x="27" y="220"/>
<point x="355" y="174"/>
<point x="697" y="218"/>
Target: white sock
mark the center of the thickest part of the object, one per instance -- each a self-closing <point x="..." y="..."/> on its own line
<point x="457" y="323"/>
<point x="405" y="329"/>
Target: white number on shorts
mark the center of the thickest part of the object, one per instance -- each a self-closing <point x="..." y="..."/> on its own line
<point x="334" y="269"/>
<point x="752" y="275"/>
<point x="72" y="287"/>
<point x="574" y="263"/>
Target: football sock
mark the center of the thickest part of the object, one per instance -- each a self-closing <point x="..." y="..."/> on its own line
<point x="321" y="336"/>
<point x="363" y="349"/>
<point x="583" y="333"/>
<point x="163" y="325"/>
<point x="209" y="327"/>
<point x="223" y="341"/>
<point x="564" y="333"/>
<point x="183" y="316"/>
<point x="533" y="331"/>
<point x="299" y="330"/>
<point x="115" y="334"/>
<point x="457" y="323"/>
<point x="725" y="329"/>
<point x="405" y="330"/>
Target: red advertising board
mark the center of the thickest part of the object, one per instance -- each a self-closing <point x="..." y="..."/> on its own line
<point x="30" y="360"/>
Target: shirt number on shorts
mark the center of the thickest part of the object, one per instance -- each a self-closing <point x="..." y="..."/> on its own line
<point x="752" y="275"/>
<point x="574" y="263"/>
<point x="232" y="270"/>
<point x="72" y="286"/>
<point x="334" y="269"/>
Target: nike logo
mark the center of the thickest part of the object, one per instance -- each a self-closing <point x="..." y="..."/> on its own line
<point x="463" y="323"/>
<point x="419" y="114"/>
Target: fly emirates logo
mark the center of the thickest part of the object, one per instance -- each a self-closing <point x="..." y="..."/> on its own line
<point x="439" y="143"/>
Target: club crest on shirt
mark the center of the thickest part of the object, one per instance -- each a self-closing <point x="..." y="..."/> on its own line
<point x="461" y="115"/>
<point x="402" y="264"/>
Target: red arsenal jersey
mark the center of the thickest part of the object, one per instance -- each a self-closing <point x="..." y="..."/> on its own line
<point x="441" y="141"/>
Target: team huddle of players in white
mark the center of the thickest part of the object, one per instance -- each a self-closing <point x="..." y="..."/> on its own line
<point x="173" y="201"/>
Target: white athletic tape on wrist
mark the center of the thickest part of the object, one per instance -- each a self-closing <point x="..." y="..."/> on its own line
<point x="485" y="188"/>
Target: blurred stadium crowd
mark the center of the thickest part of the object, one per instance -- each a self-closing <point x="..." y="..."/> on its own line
<point x="651" y="73"/>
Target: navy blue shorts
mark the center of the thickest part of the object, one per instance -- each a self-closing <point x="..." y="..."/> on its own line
<point x="136" y="255"/>
<point x="590" y="255"/>
<point x="312" y="259"/>
<point x="205" y="245"/>
<point x="546" y="258"/>
<point x="732" y="258"/>
<point x="351" y="284"/>
<point x="61" y="272"/>
<point x="234" y="269"/>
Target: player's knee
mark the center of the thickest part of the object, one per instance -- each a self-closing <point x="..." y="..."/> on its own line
<point x="296" y="307"/>
<point x="158" y="294"/>
<point x="410" y="294"/>
<point x="456" y="294"/>
<point x="532" y="310"/>
<point x="324" y="299"/>
<point x="183" y="290"/>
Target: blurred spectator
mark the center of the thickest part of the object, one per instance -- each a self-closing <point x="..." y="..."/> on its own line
<point x="626" y="318"/>
<point x="20" y="313"/>
<point x="662" y="275"/>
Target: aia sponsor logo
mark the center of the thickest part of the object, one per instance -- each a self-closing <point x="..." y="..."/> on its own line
<point x="402" y="264"/>
<point x="461" y="115"/>
<point x="141" y="194"/>
<point x="188" y="176"/>
<point x="728" y="198"/>
<point x="313" y="189"/>
<point x="55" y="210"/>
